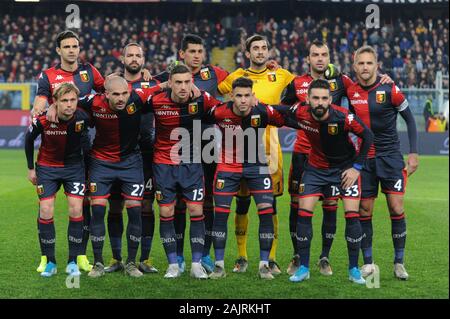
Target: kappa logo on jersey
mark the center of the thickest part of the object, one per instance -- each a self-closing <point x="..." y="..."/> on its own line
<point x="205" y="74"/>
<point x="193" y="108"/>
<point x="305" y="84"/>
<point x="333" y="85"/>
<point x="59" y="77"/>
<point x="84" y="76"/>
<point x="301" y="188"/>
<point x="93" y="187"/>
<point x="40" y="189"/>
<point x="131" y="108"/>
<point x="356" y="95"/>
<point x="272" y="77"/>
<point x="79" y="126"/>
<point x="53" y="125"/>
<point x="158" y="196"/>
<point x="255" y="120"/>
<point x="381" y="97"/>
<point x="220" y="184"/>
<point x="332" y="129"/>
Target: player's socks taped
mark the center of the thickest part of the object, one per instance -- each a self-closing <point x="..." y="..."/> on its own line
<point x="180" y="227"/>
<point x="366" y="242"/>
<point x="115" y="231"/>
<point x="75" y="237"/>
<point x="209" y="221"/>
<point x="98" y="231"/>
<point x="220" y="229"/>
<point x="353" y="234"/>
<point x="328" y="229"/>
<point x="241" y="222"/>
<point x="197" y="237"/>
<point x="134" y="231"/>
<point x="148" y="230"/>
<point x="167" y="234"/>
<point x="399" y="236"/>
<point x="47" y="237"/>
<point x="86" y="222"/>
<point x="273" y="249"/>
<point x="304" y="235"/>
<point x="293" y="213"/>
<point x="266" y="232"/>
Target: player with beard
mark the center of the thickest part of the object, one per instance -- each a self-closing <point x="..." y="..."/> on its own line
<point x="268" y="86"/>
<point x="133" y="60"/>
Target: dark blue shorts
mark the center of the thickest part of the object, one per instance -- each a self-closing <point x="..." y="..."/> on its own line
<point x="298" y="164"/>
<point x="128" y="173"/>
<point x="257" y="178"/>
<point x="149" y="191"/>
<point x="326" y="183"/>
<point x="387" y="171"/>
<point x="184" y="179"/>
<point x="50" y="179"/>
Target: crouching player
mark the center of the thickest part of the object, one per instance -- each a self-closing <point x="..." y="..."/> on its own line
<point x="60" y="161"/>
<point x="332" y="165"/>
<point x="244" y="160"/>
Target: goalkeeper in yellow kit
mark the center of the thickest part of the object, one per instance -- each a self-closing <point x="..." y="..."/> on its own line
<point x="267" y="85"/>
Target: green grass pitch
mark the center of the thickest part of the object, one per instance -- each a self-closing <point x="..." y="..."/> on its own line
<point x="427" y="262"/>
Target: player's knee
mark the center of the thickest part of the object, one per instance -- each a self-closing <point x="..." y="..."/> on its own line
<point x="46" y="210"/>
<point x="99" y="201"/>
<point x="195" y="209"/>
<point x="75" y="209"/>
<point x="132" y="203"/>
<point x="329" y="202"/>
<point x="366" y="208"/>
<point x="167" y="211"/>
<point x="396" y="209"/>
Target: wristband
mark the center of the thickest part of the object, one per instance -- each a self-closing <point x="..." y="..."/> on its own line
<point x="357" y="166"/>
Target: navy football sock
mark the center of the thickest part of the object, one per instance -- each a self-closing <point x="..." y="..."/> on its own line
<point x="366" y="242"/>
<point x="304" y="235"/>
<point x="134" y="231"/>
<point x="209" y="221"/>
<point x="75" y="237"/>
<point x="219" y="232"/>
<point x="293" y="213"/>
<point x="399" y="237"/>
<point x="86" y="222"/>
<point x="98" y="231"/>
<point x="266" y="232"/>
<point x="197" y="237"/>
<point x="148" y="230"/>
<point x="47" y="237"/>
<point x="167" y="234"/>
<point x="328" y="229"/>
<point x="115" y="231"/>
<point x="180" y="228"/>
<point x="353" y="234"/>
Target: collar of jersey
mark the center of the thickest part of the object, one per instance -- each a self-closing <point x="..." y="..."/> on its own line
<point x="256" y="72"/>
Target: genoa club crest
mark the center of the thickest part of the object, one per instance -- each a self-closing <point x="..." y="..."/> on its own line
<point x="272" y="77"/>
<point x="131" y="108"/>
<point x="93" y="187"/>
<point x="193" y="108"/>
<point x="333" y="85"/>
<point x="332" y="129"/>
<point x="145" y="85"/>
<point x="220" y="183"/>
<point x="40" y="189"/>
<point x="158" y="196"/>
<point x="301" y="188"/>
<point x="381" y="97"/>
<point x="84" y="76"/>
<point x="255" y="120"/>
<point x="79" y="126"/>
<point x="205" y="74"/>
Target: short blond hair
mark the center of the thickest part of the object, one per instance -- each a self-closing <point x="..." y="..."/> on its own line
<point x="65" y="88"/>
<point x="365" y="49"/>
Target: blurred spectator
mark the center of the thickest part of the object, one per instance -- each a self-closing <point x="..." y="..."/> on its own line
<point x="428" y="112"/>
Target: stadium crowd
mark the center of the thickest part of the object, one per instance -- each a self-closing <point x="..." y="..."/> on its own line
<point x="411" y="51"/>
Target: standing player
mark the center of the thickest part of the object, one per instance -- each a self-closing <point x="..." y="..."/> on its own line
<point x="268" y="86"/>
<point x="174" y="167"/>
<point x="133" y="61"/>
<point x="332" y="164"/>
<point x="377" y="105"/>
<point x="115" y="157"/>
<point x="60" y="161"/>
<point x="297" y="91"/>
<point x="206" y="78"/>
<point x="86" y="78"/>
<point x="244" y="160"/>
